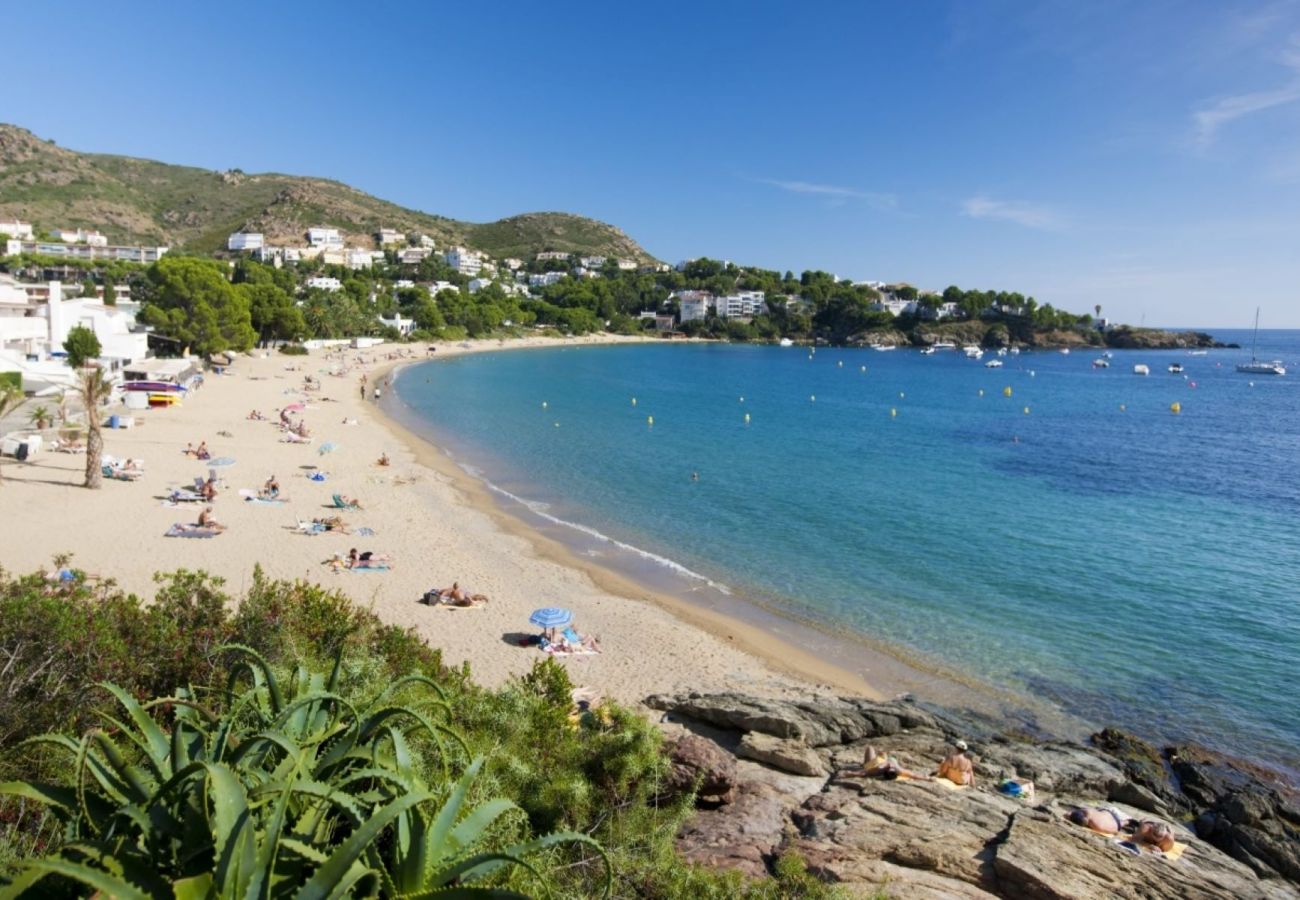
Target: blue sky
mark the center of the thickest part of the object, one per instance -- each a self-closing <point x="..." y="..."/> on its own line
<point x="1145" y="157"/>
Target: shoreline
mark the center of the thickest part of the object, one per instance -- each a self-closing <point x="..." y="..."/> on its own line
<point x="799" y="647"/>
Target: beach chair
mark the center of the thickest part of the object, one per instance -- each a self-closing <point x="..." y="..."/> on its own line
<point x="117" y="475"/>
<point x="339" y="504"/>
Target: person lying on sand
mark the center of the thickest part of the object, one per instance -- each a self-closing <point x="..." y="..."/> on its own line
<point x="881" y="765"/>
<point x="1109" y="820"/>
<point x="206" y="520"/>
<point x="331" y="523"/>
<point x="367" y="559"/>
<point x="957" y="766"/>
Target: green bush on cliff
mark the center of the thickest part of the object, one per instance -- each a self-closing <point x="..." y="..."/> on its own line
<point x="597" y="774"/>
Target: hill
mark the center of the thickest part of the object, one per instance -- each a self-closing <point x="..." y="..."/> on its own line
<point x="143" y="201"/>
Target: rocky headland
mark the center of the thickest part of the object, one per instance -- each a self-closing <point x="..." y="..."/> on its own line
<point x="779" y="776"/>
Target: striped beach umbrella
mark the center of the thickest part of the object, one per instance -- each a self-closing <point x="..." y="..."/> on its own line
<point x="550" y="617"/>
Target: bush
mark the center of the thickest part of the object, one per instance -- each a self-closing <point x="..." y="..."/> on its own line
<point x="293" y="350"/>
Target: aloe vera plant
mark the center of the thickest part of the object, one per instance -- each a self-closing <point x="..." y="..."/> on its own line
<point x="285" y="793"/>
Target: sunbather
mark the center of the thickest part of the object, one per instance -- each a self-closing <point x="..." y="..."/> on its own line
<point x="331" y="523"/>
<point x="579" y="641"/>
<point x="202" y="452"/>
<point x="343" y="501"/>
<point x="209" y="490"/>
<point x="383" y="460"/>
<point x="270" y="490"/>
<point x="1109" y="820"/>
<point x="206" y="520"/>
<point x="256" y="416"/>
<point x="882" y="765"/>
<point x="189" y="450"/>
<point x="957" y="766"/>
<point x="367" y="559"/>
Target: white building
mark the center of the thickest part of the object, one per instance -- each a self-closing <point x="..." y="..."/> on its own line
<point x="552" y="255"/>
<point x="358" y="259"/>
<point x="438" y="287"/>
<point x="32" y="334"/>
<point x="422" y="240"/>
<point x="401" y="283"/>
<point x="466" y="262"/>
<point x="93" y="238"/>
<point x="16" y="229"/>
<point x="386" y="236"/>
<point x="321" y="236"/>
<point x="744" y="304"/>
<point x="404" y="326"/>
<point x="478" y="284"/>
<point x="694" y="304"/>
<point x="322" y="283"/>
<point x="245" y="240"/>
<point x="413" y="256"/>
<point x="545" y="278"/>
<point x="894" y="305"/>
<point x="85" y="251"/>
<point x="626" y="265"/>
<point x="592" y="262"/>
<point x="513" y="264"/>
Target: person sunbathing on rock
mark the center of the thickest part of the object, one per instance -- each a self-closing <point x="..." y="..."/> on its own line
<point x="881" y="765"/>
<point x="957" y="766"/>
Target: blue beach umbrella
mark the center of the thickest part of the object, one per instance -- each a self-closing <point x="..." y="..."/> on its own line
<point x="550" y="617"/>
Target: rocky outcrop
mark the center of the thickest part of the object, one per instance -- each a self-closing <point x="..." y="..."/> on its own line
<point x="923" y="839"/>
<point x="700" y="765"/>
<point x="1126" y="337"/>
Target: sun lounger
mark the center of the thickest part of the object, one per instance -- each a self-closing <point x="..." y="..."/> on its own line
<point x="182" y="530"/>
<point x="119" y="474"/>
<point x="339" y="504"/>
<point x="182" y="495"/>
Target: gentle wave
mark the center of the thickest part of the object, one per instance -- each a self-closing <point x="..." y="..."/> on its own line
<point x="540" y="509"/>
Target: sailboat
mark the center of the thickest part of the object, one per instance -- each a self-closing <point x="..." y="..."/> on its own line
<point x="1256" y="366"/>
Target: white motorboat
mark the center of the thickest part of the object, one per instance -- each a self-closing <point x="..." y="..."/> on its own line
<point x="1065" y="350"/>
<point x="883" y="347"/>
<point x="1101" y="364"/>
<point x="1176" y="368"/>
<point x="928" y="351"/>
<point x="1002" y="351"/>
<point x="1141" y="369"/>
<point x="972" y="351"/>
<point x="993" y="364"/>
<point x="786" y="342"/>
<point x="1259" y="366"/>
<point x="944" y="345"/>
<point x="1015" y="351"/>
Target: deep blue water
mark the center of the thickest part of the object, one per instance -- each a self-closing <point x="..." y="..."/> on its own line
<point x="1136" y="566"/>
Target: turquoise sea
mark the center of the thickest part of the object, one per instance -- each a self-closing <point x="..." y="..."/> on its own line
<point x="1076" y="541"/>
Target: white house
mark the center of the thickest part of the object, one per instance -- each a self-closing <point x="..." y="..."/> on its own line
<point x="894" y="305"/>
<point x="358" y="259"/>
<point x="552" y="255"/>
<point x="744" y="304"/>
<point x="16" y="229"/>
<point x="422" y="240"/>
<point x="32" y="333"/>
<point x="626" y="265"/>
<point x="412" y="256"/>
<point x="545" y="278"/>
<point x="513" y="264"/>
<point x="245" y="240"/>
<point x="466" y="262"/>
<point x="694" y="304"/>
<point x="386" y="236"/>
<point x="85" y="251"/>
<point x="93" y="238"/>
<point x="320" y="282"/>
<point x="334" y="256"/>
<point x="592" y="262"/>
<point x="404" y="326"/>
<point x="401" y="283"/>
<point x="320" y="236"/>
<point x="478" y="284"/>
<point x="438" y="287"/>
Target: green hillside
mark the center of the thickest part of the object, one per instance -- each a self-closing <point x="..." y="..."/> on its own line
<point x="142" y="201"/>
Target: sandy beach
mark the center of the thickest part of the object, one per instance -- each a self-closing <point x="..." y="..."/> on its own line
<point x="437" y="524"/>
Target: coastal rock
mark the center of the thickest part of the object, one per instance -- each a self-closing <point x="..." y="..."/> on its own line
<point x="927" y="840"/>
<point x="819" y="723"/>
<point x="698" y="764"/>
<point x="788" y="756"/>
<point x="1128" y="338"/>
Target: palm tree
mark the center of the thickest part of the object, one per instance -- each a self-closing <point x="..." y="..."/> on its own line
<point x="10" y="399"/>
<point x="94" y="389"/>
<point x="40" y="417"/>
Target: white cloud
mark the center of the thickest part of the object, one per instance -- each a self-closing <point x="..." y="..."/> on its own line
<point x="982" y="206"/>
<point x="1213" y="115"/>
<point x="834" y="192"/>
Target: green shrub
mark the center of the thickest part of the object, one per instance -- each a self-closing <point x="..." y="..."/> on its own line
<point x="293" y="350"/>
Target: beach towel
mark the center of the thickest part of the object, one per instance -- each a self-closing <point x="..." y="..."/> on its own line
<point x="363" y="531"/>
<point x="222" y="461"/>
<point x="373" y="567"/>
<point x="188" y="531"/>
<point x="1129" y="845"/>
<point x="267" y="501"/>
<point x="327" y="447"/>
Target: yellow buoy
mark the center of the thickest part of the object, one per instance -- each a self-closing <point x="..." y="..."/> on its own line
<point x="746" y="418"/>
<point x="649" y="420"/>
<point x="893" y="413"/>
<point x="1006" y="391"/>
<point x="1175" y="407"/>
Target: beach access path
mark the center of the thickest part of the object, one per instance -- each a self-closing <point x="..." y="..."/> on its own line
<point x="438" y="525"/>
